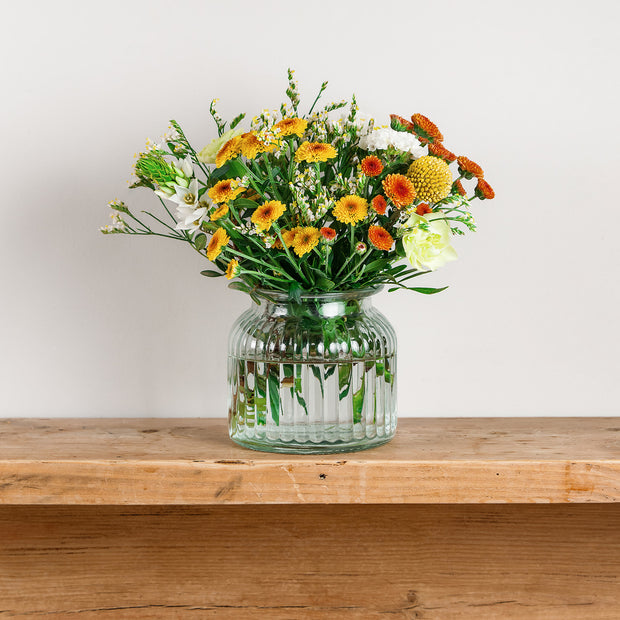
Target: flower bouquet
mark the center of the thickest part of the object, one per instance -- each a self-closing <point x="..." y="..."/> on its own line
<point x="310" y="214"/>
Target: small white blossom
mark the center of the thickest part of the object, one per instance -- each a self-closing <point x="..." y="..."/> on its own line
<point x="384" y="137"/>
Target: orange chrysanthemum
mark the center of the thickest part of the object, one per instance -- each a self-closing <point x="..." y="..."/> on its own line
<point x="483" y="190"/>
<point x="469" y="168"/>
<point x="220" y="212"/>
<point x="398" y="123"/>
<point x="457" y="187"/>
<point x="423" y="209"/>
<point x="439" y="150"/>
<point x="265" y="215"/>
<point x="431" y="178"/>
<point x="350" y="210"/>
<point x="232" y="270"/>
<point x="399" y="189"/>
<point x="380" y="238"/>
<point x="305" y="240"/>
<point x="315" y="151"/>
<point x="218" y="241"/>
<point x="379" y="204"/>
<point x="372" y="166"/>
<point x="425" y="129"/>
<point x="225" y="190"/>
<point x="230" y="150"/>
<point x="292" y="127"/>
<point x="329" y="234"/>
<point x="251" y="145"/>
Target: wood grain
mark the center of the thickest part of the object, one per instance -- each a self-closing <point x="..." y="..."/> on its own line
<point x="377" y="562"/>
<point x="192" y="461"/>
<point x="150" y="462"/>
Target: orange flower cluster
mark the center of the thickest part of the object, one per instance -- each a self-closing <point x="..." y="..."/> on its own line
<point x="379" y="204"/>
<point x="372" y="166"/>
<point x="425" y="129"/>
<point x="380" y="238"/>
<point x="469" y="168"/>
<point x="399" y="189"/>
<point x="329" y="234"/>
<point x="439" y="150"/>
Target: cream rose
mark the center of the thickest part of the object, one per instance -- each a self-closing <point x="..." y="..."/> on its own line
<point x="428" y="249"/>
<point x="207" y="155"/>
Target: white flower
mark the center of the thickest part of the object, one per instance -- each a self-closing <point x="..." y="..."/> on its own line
<point x="190" y="219"/>
<point x="117" y="226"/>
<point x="185" y="196"/>
<point x="427" y="241"/>
<point x="383" y="137"/>
<point x="207" y="155"/>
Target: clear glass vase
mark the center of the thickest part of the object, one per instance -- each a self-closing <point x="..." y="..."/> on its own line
<point x="313" y="376"/>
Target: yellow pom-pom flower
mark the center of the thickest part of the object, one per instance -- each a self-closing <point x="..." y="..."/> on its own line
<point x="306" y="238"/>
<point x="292" y="127"/>
<point x="431" y="178"/>
<point x="350" y="210"/>
<point x="218" y="241"/>
<point x="225" y="190"/>
<point x="265" y="215"/>
<point x="314" y="152"/>
<point x="232" y="271"/>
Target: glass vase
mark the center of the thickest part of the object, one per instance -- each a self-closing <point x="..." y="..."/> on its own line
<point x="312" y="376"/>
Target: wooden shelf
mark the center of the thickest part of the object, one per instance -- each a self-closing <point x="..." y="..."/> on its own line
<point x="192" y="461"/>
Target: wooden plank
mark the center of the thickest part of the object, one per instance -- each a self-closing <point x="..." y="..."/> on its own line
<point x="181" y="461"/>
<point x="318" y="562"/>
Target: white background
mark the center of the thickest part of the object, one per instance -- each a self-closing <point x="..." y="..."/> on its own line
<point x="120" y="326"/>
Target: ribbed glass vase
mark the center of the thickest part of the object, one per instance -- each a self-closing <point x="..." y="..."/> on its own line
<point x="316" y="375"/>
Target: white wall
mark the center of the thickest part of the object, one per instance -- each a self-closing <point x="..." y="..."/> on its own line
<point x="117" y="326"/>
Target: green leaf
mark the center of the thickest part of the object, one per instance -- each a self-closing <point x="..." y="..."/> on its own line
<point x="418" y="289"/>
<point x="425" y="290"/>
<point x="294" y="291"/>
<point x="230" y="169"/>
<point x="245" y="203"/>
<point x="325" y="284"/>
<point x="358" y="402"/>
<point x="274" y="391"/>
<point x="239" y="286"/>
<point x="316" y="371"/>
<point x="210" y="273"/>
<point x="200" y="242"/>
<point x="344" y="379"/>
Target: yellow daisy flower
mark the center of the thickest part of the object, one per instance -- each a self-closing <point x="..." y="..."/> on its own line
<point x="306" y="238"/>
<point x="225" y="190"/>
<point x="218" y="241"/>
<point x="265" y="215"/>
<point x="232" y="270"/>
<point x="221" y="211"/>
<point x="350" y="210"/>
<point x="315" y="151"/>
<point x="230" y="150"/>
<point x="288" y="236"/>
<point x="292" y="127"/>
<point x="252" y="145"/>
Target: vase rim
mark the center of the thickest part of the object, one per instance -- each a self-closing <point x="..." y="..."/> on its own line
<point x="337" y="295"/>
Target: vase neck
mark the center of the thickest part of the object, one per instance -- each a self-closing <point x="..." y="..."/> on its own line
<point x="325" y="305"/>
